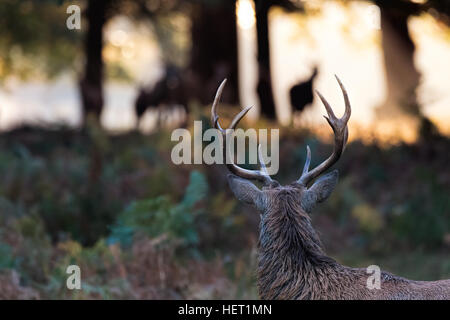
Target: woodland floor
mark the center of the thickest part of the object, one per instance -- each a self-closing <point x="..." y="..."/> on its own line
<point x="141" y="227"/>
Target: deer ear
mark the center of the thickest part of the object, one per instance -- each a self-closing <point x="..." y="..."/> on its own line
<point x="320" y="190"/>
<point x="246" y="191"/>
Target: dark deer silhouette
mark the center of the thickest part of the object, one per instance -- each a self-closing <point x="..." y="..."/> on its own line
<point x="301" y="94"/>
<point x="291" y="261"/>
<point x="168" y="91"/>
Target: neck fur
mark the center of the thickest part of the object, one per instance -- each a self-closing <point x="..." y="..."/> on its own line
<point x="292" y="263"/>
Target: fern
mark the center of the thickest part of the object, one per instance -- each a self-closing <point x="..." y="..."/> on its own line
<point x="196" y="190"/>
<point x="156" y="216"/>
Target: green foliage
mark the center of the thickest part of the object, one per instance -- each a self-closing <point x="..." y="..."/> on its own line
<point x="424" y="217"/>
<point x="35" y="250"/>
<point x="369" y="219"/>
<point x="6" y="256"/>
<point x="53" y="215"/>
<point x="30" y="47"/>
<point x="159" y="216"/>
<point x="196" y="190"/>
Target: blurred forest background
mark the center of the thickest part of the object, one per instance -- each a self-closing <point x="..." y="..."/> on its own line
<point x="86" y="118"/>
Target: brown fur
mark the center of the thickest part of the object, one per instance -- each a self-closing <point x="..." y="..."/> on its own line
<point x="293" y="265"/>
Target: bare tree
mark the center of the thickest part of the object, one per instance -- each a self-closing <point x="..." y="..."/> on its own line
<point x="264" y="87"/>
<point x="91" y="84"/>
<point x="398" y="50"/>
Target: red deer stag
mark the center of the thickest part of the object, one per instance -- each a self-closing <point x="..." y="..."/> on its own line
<point x="291" y="261"/>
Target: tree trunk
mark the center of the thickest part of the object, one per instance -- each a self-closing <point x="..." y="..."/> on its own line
<point x="264" y="87"/>
<point x="214" y="51"/>
<point x="91" y="84"/>
<point x="401" y="74"/>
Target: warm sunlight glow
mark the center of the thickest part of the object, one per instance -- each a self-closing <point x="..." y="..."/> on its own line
<point x="131" y="46"/>
<point x="353" y="36"/>
<point x="118" y="37"/>
<point x="337" y="37"/>
<point x="245" y="12"/>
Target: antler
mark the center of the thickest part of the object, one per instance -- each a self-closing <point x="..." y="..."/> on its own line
<point x="260" y="175"/>
<point x="339" y="126"/>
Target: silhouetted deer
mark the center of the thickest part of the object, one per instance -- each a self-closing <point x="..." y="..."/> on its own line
<point x="169" y="91"/>
<point x="291" y="261"/>
<point x="302" y="94"/>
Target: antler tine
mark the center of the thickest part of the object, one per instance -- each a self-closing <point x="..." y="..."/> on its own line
<point x="260" y="175"/>
<point x="308" y="160"/>
<point x="261" y="161"/>
<point x="238" y="117"/>
<point x="348" y="109"/>
<point x="339" y="126"/>
<point x="331" y="115"/>
<point x="214" y="116"/>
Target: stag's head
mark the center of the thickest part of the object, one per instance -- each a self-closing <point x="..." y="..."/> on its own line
<point x="285" y="208"/>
